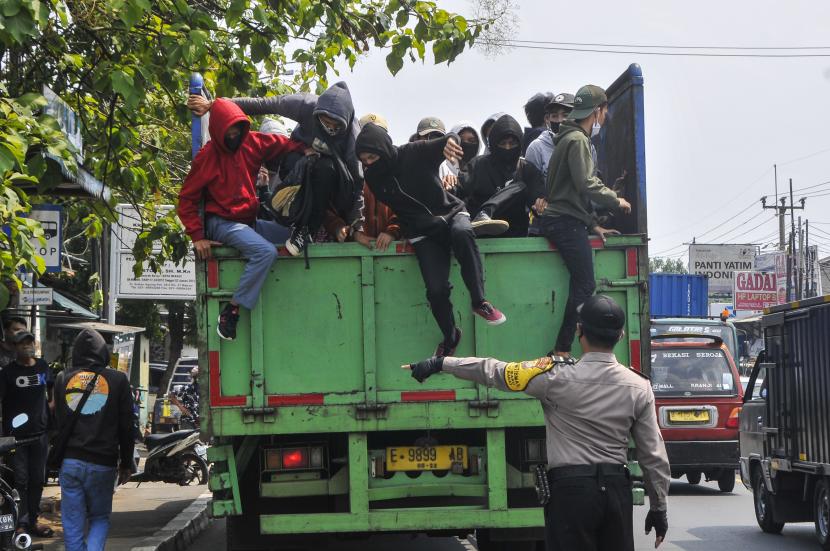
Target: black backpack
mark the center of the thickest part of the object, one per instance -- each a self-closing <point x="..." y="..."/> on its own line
<point x="290" y="203"/>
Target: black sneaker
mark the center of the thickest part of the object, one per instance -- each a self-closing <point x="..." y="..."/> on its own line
<point x="448" y="349"/>
<point x="297" y="241"/>
<point x="484" y="225"/>
<point x="227" y="322"/>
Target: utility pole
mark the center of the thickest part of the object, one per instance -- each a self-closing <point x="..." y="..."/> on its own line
<point x="782" y="209"/>
<point x="801" y="263"/>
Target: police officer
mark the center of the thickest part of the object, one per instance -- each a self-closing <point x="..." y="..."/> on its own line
<point x="590" y="406"/>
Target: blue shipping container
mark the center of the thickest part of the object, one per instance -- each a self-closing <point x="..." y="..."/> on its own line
<point x="678" y="296"/>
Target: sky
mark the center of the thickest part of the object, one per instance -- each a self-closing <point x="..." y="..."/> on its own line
<point x="715" y="126"/>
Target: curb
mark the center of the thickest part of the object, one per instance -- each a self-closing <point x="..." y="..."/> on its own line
<point x="180" y="532"/>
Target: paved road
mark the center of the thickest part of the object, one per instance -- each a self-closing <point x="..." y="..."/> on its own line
<point x="700" y="518"/>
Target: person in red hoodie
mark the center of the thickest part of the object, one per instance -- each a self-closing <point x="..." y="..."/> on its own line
<point x="223" y="175"/>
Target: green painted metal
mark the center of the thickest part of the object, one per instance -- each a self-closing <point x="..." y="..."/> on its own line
<point x="338" y="333"/>
<point x="423" y="519"/>
<point x="223" y="481"/>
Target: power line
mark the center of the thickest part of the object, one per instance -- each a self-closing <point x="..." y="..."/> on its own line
<point x="673" y="47"/>
<point x="514" y="44"/>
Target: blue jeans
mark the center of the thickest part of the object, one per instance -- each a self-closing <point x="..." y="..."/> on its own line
<point x="86" y="495"/>
<point x="256" y="244"/>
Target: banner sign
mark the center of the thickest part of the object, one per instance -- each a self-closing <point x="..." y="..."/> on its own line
<point x="719" y="263"/>
<point x="755" y="290"/>
<point x="776" y="263"/>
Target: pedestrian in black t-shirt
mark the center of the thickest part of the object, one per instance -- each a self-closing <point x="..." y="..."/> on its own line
<point x="24" y="387"/>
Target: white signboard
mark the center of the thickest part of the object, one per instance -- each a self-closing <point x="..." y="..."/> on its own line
<point x="775" y="263"/>
<point x="38" y="296"/>
<point x="49" y="217"/>
<point x="173" y="282"/>
<point x="719" y="263"/>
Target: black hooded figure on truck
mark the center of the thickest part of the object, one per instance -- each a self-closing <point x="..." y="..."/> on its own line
<point x="406" y="180"/>
<point x="100" y="444"/>
<point x="499" y="187"/>
<point x="332" y="176"/>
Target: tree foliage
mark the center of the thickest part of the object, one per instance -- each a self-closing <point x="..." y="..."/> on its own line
<point x="123" y="65"/>
<point x="666" y="265"/>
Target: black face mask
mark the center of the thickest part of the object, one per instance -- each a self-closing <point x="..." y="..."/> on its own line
<point x="508" y="157"/>
<point x="470" y="151"/>
<point x="554" y="127"/>
<point x="233" y="143"/>
<point x="378" y="172"/>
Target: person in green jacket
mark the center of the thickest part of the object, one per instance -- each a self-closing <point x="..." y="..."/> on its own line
<point x="573" y="188"/>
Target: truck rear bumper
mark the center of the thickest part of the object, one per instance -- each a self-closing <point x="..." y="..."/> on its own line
<point x="700" y="455"/>
<point x="402" y="520"/>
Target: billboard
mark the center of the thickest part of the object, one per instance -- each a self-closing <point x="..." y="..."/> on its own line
<point x="755" y="290"/>
<point x="775" y="263"/>
<point x="719" y="263"/>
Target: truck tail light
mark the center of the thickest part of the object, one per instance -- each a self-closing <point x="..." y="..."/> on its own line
<point x="289" y="459"/>
<point x="733" y="422"/>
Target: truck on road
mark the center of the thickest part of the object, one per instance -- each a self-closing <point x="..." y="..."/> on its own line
<point x="785" y="421"/>
<point x="316" y="432"/>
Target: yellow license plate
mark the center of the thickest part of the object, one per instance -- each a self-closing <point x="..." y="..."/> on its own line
<point x="431" y="458"/>
<point x="689" y="416"/>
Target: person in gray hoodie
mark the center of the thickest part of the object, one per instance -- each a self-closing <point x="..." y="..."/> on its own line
<point x="326" y="123"/>
<point x="540" y="150"/>
<point x="100" y="446"/>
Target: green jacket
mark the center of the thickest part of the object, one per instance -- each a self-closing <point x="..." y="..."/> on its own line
<point x="572" y="184"/>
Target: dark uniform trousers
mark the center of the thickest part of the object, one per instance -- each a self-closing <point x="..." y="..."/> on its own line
<point x="590" y="509"/>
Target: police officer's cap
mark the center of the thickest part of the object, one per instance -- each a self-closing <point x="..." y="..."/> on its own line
<point x="600" y="315"/>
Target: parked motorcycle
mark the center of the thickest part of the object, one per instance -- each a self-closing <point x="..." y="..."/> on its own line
<point x="9" y="498"/>
<point x="178" y="458"/>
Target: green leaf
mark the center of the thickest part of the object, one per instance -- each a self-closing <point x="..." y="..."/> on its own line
<point x="402" y="18"/>
<point x="442" y="50"/>
<point x="394" y="62"/>
<point x="32" y="100"/>
<point x="235" y="11"/>
<point x="122" y="83"/>
<point x="7" y="159"/>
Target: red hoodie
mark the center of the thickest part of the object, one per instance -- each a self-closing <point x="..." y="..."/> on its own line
<point x="226" y="180"/>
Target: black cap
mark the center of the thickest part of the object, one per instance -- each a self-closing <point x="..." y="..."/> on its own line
<point x="602" y="316"/>
<point x="22" y="336"/>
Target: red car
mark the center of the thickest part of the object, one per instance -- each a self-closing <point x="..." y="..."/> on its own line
<point x="699" y="396"/>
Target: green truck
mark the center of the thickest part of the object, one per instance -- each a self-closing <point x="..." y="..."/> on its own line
<point x="316" y="431"/>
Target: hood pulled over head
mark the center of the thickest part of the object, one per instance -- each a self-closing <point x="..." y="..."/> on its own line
<point x="374" y="139"/>
<point x="89" y="351"/>
<point x="223" y="115"/>
<point x="470" y="150"/>
<point x="336" y="102"/>
<point x="506" y="127"/>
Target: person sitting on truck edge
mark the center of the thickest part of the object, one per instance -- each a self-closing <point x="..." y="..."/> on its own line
<point x="380" y="225"/>
<point x="486" y="126"/>
<point x="405" y="178"/>
<point x="499" y="187"/>
<point x="327" y="124"/>
<point x="590" y="407"/>
<point x="224" y="174"/>
<point x="572" y="187"/>
<point x="535" y="113"/>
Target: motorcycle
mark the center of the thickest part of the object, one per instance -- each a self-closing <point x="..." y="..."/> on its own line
<point x="178" y="458"/>
<point x="9" y="498"/>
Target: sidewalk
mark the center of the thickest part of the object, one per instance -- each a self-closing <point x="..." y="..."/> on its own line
<point x="137" y="512"/>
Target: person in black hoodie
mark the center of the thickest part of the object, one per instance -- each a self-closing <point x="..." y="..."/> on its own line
<point x="102" y="436"/>
<point x="498" y="187"/>
<point x="406" y="179"/>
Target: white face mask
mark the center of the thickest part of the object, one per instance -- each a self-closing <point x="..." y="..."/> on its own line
<point x="596" y="128"/>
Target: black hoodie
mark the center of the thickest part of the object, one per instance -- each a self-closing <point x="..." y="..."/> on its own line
<point x="488" y="173"/>
<point x="104" y="430"/>
<point x="405" y="179"/>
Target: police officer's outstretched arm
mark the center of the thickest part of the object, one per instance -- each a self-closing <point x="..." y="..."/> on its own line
<point x="510" y="376"/>
<point x="651" y="454"/>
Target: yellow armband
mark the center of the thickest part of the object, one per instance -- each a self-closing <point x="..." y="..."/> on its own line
<point x="517" y="375"/>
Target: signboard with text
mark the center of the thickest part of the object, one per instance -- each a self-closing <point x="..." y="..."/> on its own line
<point x="37" y="296"/>
<point x="49" y="217"/>
<point x="776" y="263"/>
<point x="719" y="263"/>
<point x="755" y="290"/>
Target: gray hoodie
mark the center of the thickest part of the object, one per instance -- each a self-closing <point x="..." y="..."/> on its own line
<point x="540" y="151"/>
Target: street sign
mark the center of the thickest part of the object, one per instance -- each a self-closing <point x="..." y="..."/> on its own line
<point x="719" y="263"/>
<point x="755" y="290"/>
<point x="49" y="217"/>
<point x="172" y="282"/>
<point x="37" y="296"/>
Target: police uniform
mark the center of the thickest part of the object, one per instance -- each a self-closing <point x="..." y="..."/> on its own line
<point x="591" y="407"/>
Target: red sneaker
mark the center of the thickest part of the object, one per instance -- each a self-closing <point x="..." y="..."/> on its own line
<point x="448" y="349"/>
<point x="491" y="314"/>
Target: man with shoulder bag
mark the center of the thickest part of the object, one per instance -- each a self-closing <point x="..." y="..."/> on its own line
<point x="94" y="411"/>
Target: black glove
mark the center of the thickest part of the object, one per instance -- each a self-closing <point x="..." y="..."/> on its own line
<point x="658" y="520"/>
<point x="422" y="370"/>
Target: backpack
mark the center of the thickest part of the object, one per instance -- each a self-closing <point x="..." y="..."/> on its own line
<point x="291" y="202"/>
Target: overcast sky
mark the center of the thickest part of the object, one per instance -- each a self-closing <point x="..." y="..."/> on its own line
<point x="714" y="126"/>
